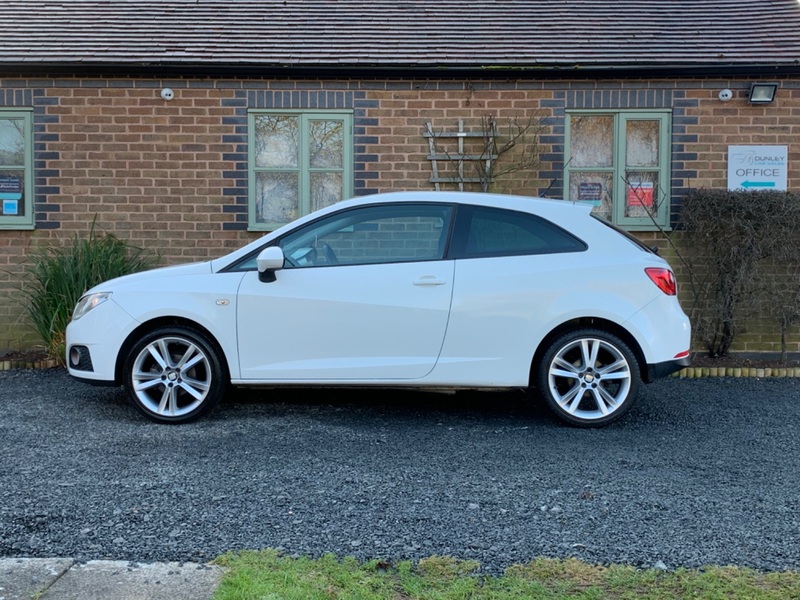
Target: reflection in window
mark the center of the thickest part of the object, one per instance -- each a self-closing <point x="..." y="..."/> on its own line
<point x="370" y="235"/>
<point x="277" y="141"/>
<point x="495" y="232"/>
<point x="12" y="142"/>
<point x="276" y="197"/>
<point x="325" y="145"/>
<point x="326" y="189"/>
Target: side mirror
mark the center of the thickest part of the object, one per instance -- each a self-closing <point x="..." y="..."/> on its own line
<point x="269" y="260"/>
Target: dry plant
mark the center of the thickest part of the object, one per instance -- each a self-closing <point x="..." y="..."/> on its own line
<point x="490" y="150"/>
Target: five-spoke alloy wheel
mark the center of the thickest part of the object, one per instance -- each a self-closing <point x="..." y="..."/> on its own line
<point x="589" y="377"/>
<point x="174" y="375"/>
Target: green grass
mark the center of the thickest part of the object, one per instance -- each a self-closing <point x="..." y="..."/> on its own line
<point x="266" y="575"/>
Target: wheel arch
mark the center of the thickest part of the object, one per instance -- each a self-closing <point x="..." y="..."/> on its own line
<point x="580" y="323"/>
<point x="154" y="324"/>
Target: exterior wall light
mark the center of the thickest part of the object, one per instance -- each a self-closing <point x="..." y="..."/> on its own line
<point x="762" y="93"/>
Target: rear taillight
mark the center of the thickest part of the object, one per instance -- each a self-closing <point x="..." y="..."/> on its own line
<point x="664" y="279"/>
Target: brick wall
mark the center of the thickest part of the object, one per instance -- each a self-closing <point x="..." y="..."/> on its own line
<point x="737" y="122"/>
<point x="172" y="176"/>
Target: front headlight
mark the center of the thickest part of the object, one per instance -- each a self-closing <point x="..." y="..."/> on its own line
<point x="88" y="302"/>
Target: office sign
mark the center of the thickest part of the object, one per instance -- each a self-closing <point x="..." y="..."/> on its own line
<point x="757" y="167"/>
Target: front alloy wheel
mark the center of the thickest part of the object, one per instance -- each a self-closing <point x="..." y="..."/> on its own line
<point x="589" y="377"/>
<point x="173" y="375"/>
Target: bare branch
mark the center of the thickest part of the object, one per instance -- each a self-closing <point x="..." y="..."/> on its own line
<point x="497" y="148"/>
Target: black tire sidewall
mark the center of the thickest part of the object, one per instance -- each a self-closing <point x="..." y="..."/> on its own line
<point x="218" y="373"/>
<point x="543" y="383"/>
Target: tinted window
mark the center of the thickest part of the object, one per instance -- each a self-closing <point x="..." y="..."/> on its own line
<point x="497" y="232"/>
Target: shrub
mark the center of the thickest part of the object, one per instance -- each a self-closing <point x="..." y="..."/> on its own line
<point x="744" y="250"/>
<point x="58" y="275"/>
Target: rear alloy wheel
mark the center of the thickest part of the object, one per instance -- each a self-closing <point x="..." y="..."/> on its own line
<point x="174" y="375"/>
<point x="589" y="377"/>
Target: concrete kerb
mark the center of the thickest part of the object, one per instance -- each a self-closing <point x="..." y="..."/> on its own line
<point x="67" y="579"/>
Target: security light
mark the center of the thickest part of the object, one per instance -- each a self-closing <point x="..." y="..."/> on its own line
<point x="762" y="93"/>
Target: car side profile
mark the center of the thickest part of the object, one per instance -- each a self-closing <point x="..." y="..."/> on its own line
<point x="412" y="289"/>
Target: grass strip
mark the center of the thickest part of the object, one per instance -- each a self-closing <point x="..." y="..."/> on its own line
<point x="267" y="575"/>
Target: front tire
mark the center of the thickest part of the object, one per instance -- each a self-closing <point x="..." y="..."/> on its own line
<point x="174" y="375"/>
<point x="589" y="377"/>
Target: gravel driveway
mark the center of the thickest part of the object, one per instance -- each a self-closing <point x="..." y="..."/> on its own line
<point x="701" y="471"/>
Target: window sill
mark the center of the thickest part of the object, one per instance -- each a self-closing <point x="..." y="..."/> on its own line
<point x="16" y="227"/>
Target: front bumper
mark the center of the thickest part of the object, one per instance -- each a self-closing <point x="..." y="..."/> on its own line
<point x="94" y="342"/>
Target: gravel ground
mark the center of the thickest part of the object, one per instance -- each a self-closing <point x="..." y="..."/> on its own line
<point x="701" y="471"/>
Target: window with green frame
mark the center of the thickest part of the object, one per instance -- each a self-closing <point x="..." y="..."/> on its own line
<point x="300" y="161"/>
<point x="619" y="161"/>
<point x="16" y="173"/>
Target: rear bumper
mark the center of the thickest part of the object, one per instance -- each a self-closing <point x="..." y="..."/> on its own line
<point x="666" y="368"/>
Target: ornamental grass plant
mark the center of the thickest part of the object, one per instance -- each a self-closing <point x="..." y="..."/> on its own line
<point x="57" y="276"/>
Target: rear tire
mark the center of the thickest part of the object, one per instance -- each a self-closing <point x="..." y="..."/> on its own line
<point x="174" y="375"/>
<point x="589" y="377"/>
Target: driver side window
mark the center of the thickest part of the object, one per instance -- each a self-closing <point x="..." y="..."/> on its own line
<point x="371" y="235"/>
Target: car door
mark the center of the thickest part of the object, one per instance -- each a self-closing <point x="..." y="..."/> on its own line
<point x="364" y="295"/>
<point x="514" y="271"/>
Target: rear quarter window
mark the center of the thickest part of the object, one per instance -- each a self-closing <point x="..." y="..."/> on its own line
<point x="496" y="232"/>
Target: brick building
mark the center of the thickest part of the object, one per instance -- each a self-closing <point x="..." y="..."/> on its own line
<point x="192" y="127"/>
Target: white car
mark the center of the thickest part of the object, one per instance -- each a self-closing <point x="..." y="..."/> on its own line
<point x="413" y="289"/>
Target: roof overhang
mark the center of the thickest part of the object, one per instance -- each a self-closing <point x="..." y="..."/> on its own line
<point x="539" y="72"/>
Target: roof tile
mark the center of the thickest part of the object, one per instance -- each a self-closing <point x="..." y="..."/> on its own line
<point x="409" y="33"/>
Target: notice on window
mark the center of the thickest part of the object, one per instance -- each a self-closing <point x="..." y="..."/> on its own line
<point x="590" y="193"/>
<point x="757" y="167"/>
<point x="10" y="207"/>
<point x="10" y="194"/>
<point x="640" y="194"/>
